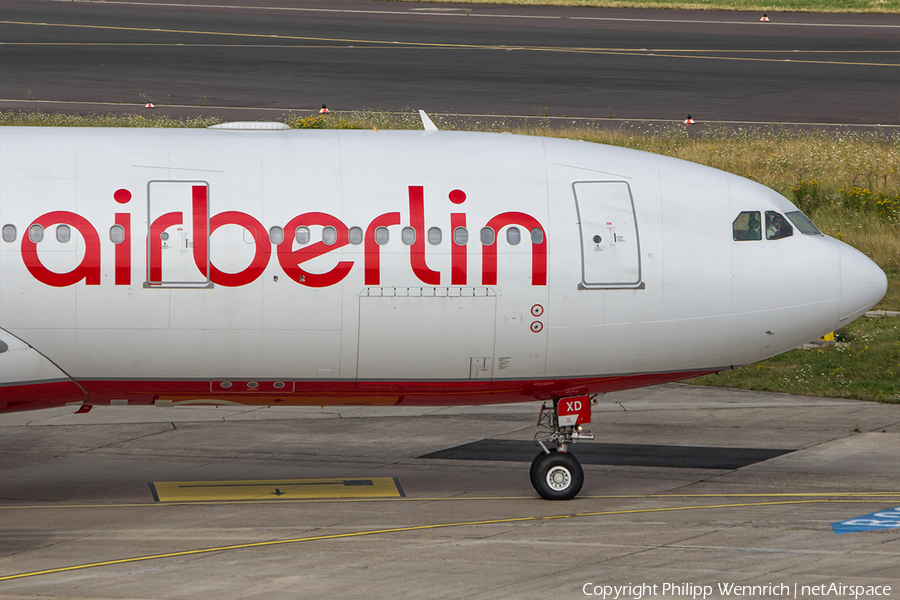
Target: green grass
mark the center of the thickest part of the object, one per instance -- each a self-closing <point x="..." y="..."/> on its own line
<point x="891" y="300"/>
<point x="42" y="119"/>
<point x="771" y="6"/>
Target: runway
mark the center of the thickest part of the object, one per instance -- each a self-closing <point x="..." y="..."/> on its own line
<point x="262" y="61"/>
<point x="81" y="521"/>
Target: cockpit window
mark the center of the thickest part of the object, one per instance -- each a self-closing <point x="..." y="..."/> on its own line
<point x="747" y="226"/>
<point x="777" y="226"/>
<point x="802" y="223"/>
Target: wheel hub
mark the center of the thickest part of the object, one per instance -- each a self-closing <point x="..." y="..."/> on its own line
<point x="558" y="478"/>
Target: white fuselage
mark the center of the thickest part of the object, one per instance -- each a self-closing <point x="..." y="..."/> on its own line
<point x="147" y="266"/>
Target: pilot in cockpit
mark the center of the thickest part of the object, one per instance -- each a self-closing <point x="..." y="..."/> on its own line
<point x="776" y="226"/>
<point x="753" y="232"/>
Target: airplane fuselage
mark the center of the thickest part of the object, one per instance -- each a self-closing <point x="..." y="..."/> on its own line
<point x="364" y="267"/>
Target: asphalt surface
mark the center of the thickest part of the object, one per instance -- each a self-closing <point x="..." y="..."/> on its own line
<point x="79" y="519"/>
<point x="197" y="57"/>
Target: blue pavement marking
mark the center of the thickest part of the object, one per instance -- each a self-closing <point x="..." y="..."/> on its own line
<point x="883" y="519"/>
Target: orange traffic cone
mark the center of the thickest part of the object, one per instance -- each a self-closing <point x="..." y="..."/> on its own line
<point x="765" y="17"/>
<point x="689" y="121"/>
<point x="149" y="105"/>
<point x="324" y="110"/>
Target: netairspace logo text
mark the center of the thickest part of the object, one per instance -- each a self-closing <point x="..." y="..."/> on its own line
<point x="726" y="590"/>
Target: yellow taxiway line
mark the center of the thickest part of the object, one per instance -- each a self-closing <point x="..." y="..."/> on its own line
<point x="419" y="528"/>
<point x="448" y="46"/>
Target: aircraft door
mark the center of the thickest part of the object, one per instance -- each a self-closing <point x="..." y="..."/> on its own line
<point x="177" y="234"/>
<point x="610" y="247"/>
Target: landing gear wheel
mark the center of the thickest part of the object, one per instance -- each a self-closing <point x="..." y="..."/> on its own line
<point x="534" y="466"/>
<point x="557" y="476"/>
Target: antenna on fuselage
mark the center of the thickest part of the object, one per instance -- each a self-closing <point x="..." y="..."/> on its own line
<point x="427" y="123"/>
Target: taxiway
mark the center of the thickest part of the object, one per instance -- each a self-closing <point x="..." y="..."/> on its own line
<point x="80" y="518"/>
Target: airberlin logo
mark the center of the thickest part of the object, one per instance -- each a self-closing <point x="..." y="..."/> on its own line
<point x="202" y="226"/>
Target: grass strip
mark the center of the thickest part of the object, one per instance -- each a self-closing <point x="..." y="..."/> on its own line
<point x="770" y="6"/>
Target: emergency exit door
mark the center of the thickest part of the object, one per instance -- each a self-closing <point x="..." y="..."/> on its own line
<point x="610" y="247"/>
<point x="177" y="234"/>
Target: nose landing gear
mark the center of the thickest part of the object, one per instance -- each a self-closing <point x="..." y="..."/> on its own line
<point x="556" y="474"/>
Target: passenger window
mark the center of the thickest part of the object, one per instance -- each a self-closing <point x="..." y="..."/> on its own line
<point x="487" y="236"/>
<point x="408" y="235"/>
<point x="329" y="235"/>
<point x="356" y="235"/>
<point x="513" y="235"/>
<point x="803" y="223"/>
<point x="460" y="236"/>
<point x="777" y="226"/>
<point x="117" y="234"/>
<point x="276" y="235"/>
<point x="746" y="226"/>
<point x="9" y="233"/>
<point x="382" y="235"/>
<point x="63" y="233"/>
<point x="537" y="236"/>
<point x="301" y="234"/>
<point x="434" y="236"/>
<point x="35" y="233"/>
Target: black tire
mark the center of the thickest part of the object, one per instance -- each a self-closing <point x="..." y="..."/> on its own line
<point x="534" y="466"/>
<point x="557" y="476"/>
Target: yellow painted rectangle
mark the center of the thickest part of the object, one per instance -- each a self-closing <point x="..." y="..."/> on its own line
<point x="276" y="489"/>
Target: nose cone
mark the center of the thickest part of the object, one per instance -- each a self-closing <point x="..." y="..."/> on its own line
<point x="863" y="284"/>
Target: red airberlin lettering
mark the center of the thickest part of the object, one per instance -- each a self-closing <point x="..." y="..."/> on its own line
<point x="88" y="269"/>
<point x="155" y="244"/>
<point x="417" y="251"/>
<point x="123" y="247"/>
<point x="291" y="260"/>
<point x="458" y="257"/>
<point x="373" y="249"/>
<point x="203" y="226"/>
<point x="261" y="245"/>
<point x="538" y="251"/>
<point x="123" y="250"/>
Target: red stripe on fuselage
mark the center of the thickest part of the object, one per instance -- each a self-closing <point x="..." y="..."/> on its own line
<point x="327" y="393"/>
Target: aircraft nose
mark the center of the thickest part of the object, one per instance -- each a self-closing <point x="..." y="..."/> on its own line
<point x="863" y="284"/>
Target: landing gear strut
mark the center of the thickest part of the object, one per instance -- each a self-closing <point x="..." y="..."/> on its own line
<point x="556" y="474"/>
